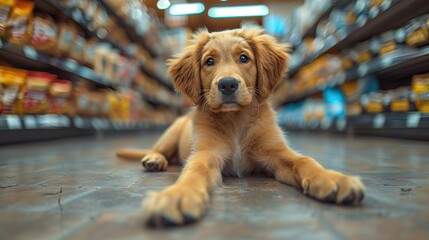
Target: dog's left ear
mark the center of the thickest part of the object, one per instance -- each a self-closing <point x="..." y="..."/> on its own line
<point x="271" y="60"/>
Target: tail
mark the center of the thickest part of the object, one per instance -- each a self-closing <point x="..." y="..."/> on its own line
<point x="131" y="154"/>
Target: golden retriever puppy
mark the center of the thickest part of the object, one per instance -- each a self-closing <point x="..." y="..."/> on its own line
<point x="232" y="131"/>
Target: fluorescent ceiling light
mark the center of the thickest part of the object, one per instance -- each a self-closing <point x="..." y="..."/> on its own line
<point x="239" y="11"/>
<point x="163" y="4"/>
<point x="186" y="8"/>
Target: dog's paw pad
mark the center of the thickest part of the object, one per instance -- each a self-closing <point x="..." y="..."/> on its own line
<point x="154" y="162"/>
<point x="334" y="187"/>
<point x="173" y="207"/>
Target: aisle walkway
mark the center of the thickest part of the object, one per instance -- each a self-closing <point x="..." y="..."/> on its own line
<point x="77" y="189"/>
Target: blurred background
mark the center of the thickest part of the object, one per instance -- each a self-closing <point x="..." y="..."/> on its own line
<point x="91" y="74"/>
<point x="73" y="67"/>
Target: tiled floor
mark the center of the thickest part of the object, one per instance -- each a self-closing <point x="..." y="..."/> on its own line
<point x="77" y="189"/>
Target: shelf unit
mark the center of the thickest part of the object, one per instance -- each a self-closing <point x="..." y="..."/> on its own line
<point x="76" y="16"/>
<point x="28" y="57"/>
<point x="391" y="68"/>
<point x="411" y="125"/>
<point x="406" y="61"/>
<point x="14" y="128"/>
<point x="129" y="30"/>
<point x="385" y="20"/>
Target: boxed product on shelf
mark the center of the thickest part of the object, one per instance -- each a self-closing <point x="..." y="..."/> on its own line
<point x="401" y="99"/>
<point x="60" y="93"/>
<point x="311" y="76"/>
<point x="353" y="91"/>
<point x="66" y="36"/>
<point x="18" y="31"/>
<point x="417" y="31"/>
<point x="361" y="52"/>
<point x="372" y="103"/>
<point x="6" y="7"/>
<point x="44" y="33"/>
<point x="77" y="48"/>
<point x="35" y="93"/>
<point x="12" y="82"/>
<point x="420" y="85"/>
<point x="89" y="52"/>
<point x="388" y="43"/>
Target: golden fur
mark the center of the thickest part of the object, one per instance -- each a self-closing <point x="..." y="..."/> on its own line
<point x="237" y="138"/>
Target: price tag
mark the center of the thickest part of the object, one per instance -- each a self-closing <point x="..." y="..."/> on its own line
<point x="341" y="124"/>
<point x="326" y="123"/>
<point x="13" y="122"/>
<point x="413" y="120"/>
<point x="30" y="52"/>
<point x="77" y="15"/>
<point x="379" y="121"/>
<point x="341" y="78"/>
<point x="48" y="121"/>
<point x="363" y="70"/>
<point x="386" y="62"/>
<point x="115" y="125"/>
<point x="78" y="122"/>
<point x="30" y="122"/>
<point x="70" y="65"/>
<point x="65" y="121"/>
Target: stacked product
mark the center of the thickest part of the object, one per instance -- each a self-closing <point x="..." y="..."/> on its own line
<point x="35" y="93"/>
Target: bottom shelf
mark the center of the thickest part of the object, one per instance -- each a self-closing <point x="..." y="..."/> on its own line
<point x="411" y="125"/>
<point x="17" y="129"/>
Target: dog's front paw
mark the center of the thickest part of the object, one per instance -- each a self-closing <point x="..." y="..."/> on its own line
<point x="174" y="206"/>
<point x="334" y="187"/>
<point x="154" y="162"/>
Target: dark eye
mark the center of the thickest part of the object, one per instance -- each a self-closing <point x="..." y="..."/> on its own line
<point x="244" y="59"/>
<point x="210" y="62"/>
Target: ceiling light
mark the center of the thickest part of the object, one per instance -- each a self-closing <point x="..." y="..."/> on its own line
<point x="186" y="8"/>
<point x="239" y="11"/>
<point x="163" y="4"/>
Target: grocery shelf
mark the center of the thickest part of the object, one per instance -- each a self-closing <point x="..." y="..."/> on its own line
<point x="397" y="15"/>
<point x="54" y="7"/>
<point x="53" y="121"/>
<point x="14" y="128"/>
<point x="165" y="82"/>
<point x="129" y="30"/>
<point x="405" y="60"/>
<point x="412" y="125"/>
<point x="29" y="57"/>
<point x="311" y="31"/>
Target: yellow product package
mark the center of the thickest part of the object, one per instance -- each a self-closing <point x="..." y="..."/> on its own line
<point x="5" y="9"/>
<point x="35" y="94"/>
<point x="20" y="21"/>
<point x="60" y="97"/>
<point x="421" y="92"/>
<point x="12" y="82"/>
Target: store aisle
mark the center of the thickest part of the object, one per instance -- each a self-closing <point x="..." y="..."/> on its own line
<point x="77" y="189"/>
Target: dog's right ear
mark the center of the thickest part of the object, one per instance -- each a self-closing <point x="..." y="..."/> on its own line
<point x="185" y="69"/>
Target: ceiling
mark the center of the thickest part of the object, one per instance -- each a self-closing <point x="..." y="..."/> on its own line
<point x="203" y="20"/>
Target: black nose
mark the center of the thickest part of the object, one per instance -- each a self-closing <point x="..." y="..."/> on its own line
<point x="228" y="85"/>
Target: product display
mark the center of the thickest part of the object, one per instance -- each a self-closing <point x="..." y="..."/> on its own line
<point x="359" y="74"/>
<point x="86" y="34"/>
<point x="221" y="119"/>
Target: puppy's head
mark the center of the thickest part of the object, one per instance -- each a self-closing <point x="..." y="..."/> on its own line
<point x="229" y="70"/>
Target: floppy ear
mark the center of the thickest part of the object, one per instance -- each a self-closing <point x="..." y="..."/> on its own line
<point x="271" y="60"/>
<point x="185" y="69"/>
